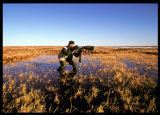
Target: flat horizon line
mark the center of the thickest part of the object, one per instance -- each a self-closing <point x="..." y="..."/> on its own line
<point x="84" y="45"/>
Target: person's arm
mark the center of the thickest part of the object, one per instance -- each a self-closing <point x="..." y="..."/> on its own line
<point x="78" y="53"/>
<point x="65" y="52"/>
<point x="75" y="49"/>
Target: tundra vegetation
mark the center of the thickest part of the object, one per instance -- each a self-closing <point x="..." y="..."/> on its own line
<point x="112" y="79"/>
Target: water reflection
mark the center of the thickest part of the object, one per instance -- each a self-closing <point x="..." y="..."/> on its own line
<point x="46" y="65"/>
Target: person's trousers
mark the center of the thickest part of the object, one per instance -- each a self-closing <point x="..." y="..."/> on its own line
<point x="71" y="62"/>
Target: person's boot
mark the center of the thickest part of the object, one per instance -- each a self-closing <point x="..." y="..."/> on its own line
<point x="60" y="71"/>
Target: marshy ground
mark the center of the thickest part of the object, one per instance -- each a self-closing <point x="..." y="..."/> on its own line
<point x="111" y="80"/>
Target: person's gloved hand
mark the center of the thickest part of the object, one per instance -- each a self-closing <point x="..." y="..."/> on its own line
<point x="80" y="51"/>
<point x="75" y="47"/>
<point x="76" y="51"/>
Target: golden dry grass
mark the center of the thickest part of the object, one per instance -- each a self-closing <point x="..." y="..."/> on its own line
<point x="21" y="53"/>
<point x="122" y="89"/>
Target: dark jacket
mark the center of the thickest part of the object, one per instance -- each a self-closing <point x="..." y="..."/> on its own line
<point x="67" y="53"/>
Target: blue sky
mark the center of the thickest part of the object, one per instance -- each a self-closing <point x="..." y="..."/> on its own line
<point x="86" y="24"/>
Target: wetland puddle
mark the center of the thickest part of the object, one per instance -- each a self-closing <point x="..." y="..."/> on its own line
<point x="46" y="65"/>
<point x="49" y="63"/>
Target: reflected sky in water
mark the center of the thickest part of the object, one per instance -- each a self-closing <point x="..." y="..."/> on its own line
<point x="48" y="64"/>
